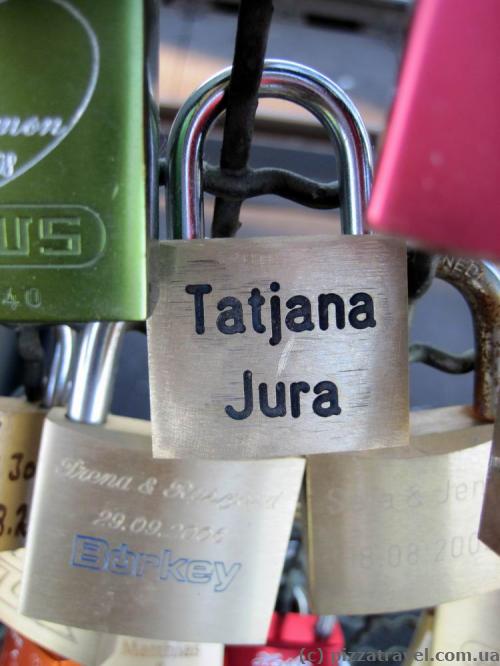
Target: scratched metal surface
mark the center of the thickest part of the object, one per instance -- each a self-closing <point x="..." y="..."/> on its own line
<point x="197" y="377"/>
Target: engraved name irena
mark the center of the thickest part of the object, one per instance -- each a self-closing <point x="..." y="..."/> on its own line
<point x="76" y="469"/>
<point x="331" y="311"/>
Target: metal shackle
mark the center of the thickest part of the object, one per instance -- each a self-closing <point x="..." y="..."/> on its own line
<point x="59" y="379"/>
<point x="95" y="372"/>
<point x="481" y="291"/>
<point x="284" y="80"/>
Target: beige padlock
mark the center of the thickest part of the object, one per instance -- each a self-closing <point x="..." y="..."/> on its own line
<point x="397" y="529"/>
<point x="125" y="544"/>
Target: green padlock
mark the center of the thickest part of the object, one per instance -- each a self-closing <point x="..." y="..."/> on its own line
<point x="78" y="158"/>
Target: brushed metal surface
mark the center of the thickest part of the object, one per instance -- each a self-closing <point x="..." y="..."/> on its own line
<point x="73" y="643"/>
<point x="20" y="431"/>
<point x="228" y="524"/>
<point x="469" y="625"/>
<point x="397" y="529"/>
<point x="127" y="651"/>
<point x="194" y="377"/>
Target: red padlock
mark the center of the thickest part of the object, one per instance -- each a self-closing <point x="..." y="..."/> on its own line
<point x="438" y="177"/>
<point x="19" y="651"/>
<point x="291" y="641"/>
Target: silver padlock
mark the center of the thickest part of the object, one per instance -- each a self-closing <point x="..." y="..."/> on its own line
<point x="276" y="346"/>
<point x="125" y="544"/>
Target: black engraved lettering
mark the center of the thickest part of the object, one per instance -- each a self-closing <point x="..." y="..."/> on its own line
<point x="231" y="311"/>
<point x="296" y="388"/>
<point x="280" y="408"/>
<point x="328" y="394"/>
<point x="248" y="398"/>
<point x="300" y="309"/>
<point x="256" y="301"/>
<point x="324" y="301"/>
<point x="198" y="291"/>
<point x="366" y="308"/>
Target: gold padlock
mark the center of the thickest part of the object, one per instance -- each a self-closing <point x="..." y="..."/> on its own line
<point x="171" y="550"/>
<point x="20" y="431"/>
<point x="397" y="529"/>
<point x="277" y="346"/>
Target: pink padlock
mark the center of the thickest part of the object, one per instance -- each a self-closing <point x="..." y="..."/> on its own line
<point x="438" y="177"/>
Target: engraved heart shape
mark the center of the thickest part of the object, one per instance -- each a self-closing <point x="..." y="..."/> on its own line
<point x="49" y="68"/>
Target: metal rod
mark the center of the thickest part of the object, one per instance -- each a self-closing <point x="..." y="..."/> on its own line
<point x="242" y="97"/>
<point x="95" y="372"/>
<point x="59" y="379"/>
<point x="455" y="364"/>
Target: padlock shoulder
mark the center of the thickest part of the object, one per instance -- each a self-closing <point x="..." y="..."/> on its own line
<point x="18" y="406"/>
<point x="129" y="433"/>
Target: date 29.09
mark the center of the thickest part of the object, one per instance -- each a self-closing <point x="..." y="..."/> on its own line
<point x="116" y="520"/>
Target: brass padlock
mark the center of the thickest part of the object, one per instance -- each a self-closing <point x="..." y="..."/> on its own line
<point x="78" y="159"/>
<point x="276" y="346"/>
<point x="171" y="550"/>
<point x="397" y="529"/>
<point x="21" y="425"/>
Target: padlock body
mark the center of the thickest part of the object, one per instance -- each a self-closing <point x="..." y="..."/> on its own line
<point x="124" y="544"/>
<point x="77" y="159"/>
<point x="437" y="177"/>
<point x="73" y="643"/>
<point x="397" y="529"/>
<point x="20" y="431"/>
<point x="278" y="346"/>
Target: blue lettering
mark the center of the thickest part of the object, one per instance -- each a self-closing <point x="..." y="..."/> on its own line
<point x="89" y="553"/>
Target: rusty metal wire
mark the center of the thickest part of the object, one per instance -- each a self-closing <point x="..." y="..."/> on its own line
<point x="283" y="183"/>
<point x="455" y="364"/>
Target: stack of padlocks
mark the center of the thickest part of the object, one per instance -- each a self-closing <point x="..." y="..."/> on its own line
<point x="162" y="542"/>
